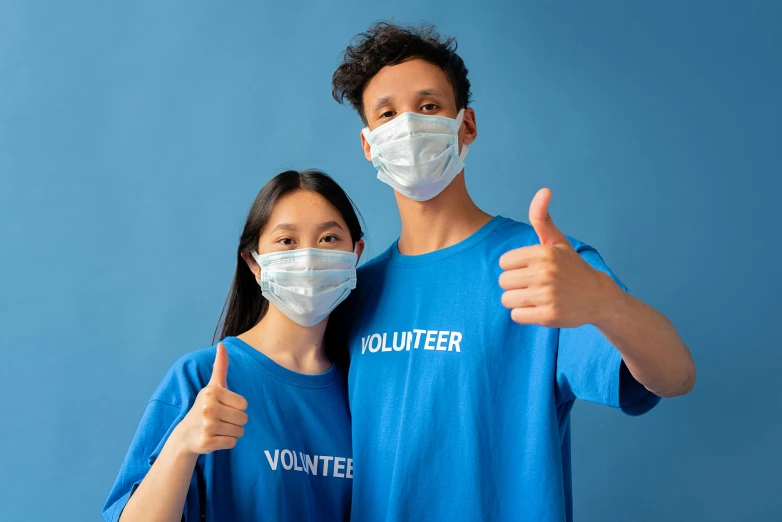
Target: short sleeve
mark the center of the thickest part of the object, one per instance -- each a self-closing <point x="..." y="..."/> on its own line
<point x="169" y="404"/>
<point x="156" y="424"/>
<point x="590" y="368"/>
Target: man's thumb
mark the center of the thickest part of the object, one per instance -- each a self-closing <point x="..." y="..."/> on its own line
<point x="220" y="368"/>
<point x="540" y="219"/>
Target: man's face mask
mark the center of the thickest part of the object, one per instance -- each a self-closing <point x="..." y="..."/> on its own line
<point x="417" y="154"/>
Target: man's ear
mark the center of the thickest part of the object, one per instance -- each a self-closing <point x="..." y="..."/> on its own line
<point x="359" y="249"/>
<point x="469" y="130"/>
<point x="366" y="147"/>
<point x="251" y="264"/>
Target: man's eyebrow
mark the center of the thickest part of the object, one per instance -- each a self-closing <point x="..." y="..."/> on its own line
<point x="284" y="226"/>
<point x="430" y="92"/>
<point x="329" y="224"/>
<point x="380" y="102"/>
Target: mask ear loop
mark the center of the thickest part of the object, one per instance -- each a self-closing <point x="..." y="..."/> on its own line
<point x="355" y="251"/>
<point x="257" y="258"/>
<point x="465" y="146"/>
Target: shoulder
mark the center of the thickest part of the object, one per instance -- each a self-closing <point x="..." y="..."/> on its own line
<point x="373" y="272"/>
<point x="186" y="377"/>
<point x="516" y="234"/>
<point x="375" y="265"/>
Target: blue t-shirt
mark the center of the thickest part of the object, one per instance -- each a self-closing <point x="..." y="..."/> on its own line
<point x="458" y="412"/>
<point x="293" y="462"/>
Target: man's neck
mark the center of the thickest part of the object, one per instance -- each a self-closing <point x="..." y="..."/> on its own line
<point x="450" y="217"/>
<point x="292" y="346"/>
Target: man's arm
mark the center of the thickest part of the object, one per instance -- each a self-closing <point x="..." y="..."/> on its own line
<point x="551" y="285"/>
<point x="650" y="346"/>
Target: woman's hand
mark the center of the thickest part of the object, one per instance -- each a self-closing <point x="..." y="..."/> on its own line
<point x="213" y="423"/>
<point x="216" y="420"/>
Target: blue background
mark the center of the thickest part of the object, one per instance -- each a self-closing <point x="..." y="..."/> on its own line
<point x="134" y="137"/>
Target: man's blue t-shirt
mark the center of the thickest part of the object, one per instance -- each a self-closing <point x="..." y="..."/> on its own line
<point x="458" y="412"/>
<point x="293" y="462"/>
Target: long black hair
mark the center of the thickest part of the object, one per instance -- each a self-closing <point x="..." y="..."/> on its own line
<point x="245" y="306"/>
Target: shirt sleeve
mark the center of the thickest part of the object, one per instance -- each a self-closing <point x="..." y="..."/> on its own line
<point x="591" y="369"/>
<point x="156" y="424"/>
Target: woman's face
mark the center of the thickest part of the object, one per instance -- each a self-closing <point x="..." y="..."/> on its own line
<point x="305" y="219"/>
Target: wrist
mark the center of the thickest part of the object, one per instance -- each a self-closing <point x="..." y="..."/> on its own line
<point x="177" y="441"/>
<point x="610" y="301"/>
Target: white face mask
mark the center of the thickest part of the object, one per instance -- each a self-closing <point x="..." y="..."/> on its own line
<point x="417" y="154"/>
<point x="307" y="284"/>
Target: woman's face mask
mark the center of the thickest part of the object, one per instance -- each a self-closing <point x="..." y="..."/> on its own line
<point x="307" y="284"/>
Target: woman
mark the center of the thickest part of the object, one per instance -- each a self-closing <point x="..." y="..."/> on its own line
<point x="258" y="427"/>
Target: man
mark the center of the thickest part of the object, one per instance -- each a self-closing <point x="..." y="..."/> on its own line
<point x="461" y="409"/>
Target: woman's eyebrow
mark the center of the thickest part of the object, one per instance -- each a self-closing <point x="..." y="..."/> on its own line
<point x="329" y="224"/>
<point x="284" y="226"/>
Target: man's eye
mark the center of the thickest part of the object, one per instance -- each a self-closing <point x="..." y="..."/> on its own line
<point x="430" y="107"/>
<point x="387" y="114"/>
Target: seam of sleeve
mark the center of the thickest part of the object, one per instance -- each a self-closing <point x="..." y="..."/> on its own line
<point x="616" y="367"/>
<point x="165" y="403"/>
<point x="639" y="402"/>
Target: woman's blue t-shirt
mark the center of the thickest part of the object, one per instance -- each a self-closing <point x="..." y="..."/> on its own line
<point x="294" y="461"/>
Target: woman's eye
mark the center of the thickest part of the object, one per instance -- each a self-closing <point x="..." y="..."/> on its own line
<point x="329" y="239"/>
<point x="430" y="107"/>
<point x="285" y="241"/>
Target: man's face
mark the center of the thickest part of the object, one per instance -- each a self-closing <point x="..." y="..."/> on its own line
<point x="412" y="86"/>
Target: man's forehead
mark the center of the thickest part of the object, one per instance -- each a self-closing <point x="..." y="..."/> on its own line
<point x="416" y="76"/>
<point x="381" y="100"/>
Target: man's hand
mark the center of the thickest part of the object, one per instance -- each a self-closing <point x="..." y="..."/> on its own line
<point x="549" y="284"/>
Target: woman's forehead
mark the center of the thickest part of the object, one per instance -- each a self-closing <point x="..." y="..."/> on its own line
<point x="305" y="208"/>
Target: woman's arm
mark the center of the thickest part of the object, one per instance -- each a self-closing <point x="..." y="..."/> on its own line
<point x="213" y="423"/>
<point x="161" y="495"/>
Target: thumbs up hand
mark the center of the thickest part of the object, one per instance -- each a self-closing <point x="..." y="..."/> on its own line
<point x="550" y="284"/>
<point x="218" y="415"/>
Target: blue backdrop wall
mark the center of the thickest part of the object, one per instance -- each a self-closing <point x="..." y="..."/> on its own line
<point x="133" y="138"/>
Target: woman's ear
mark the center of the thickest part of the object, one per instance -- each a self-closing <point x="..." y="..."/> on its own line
<point x="251" y="264"/>
<point x="359" y="249"/>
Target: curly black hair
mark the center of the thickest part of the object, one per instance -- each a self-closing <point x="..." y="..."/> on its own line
<point x="385" y="44"/>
